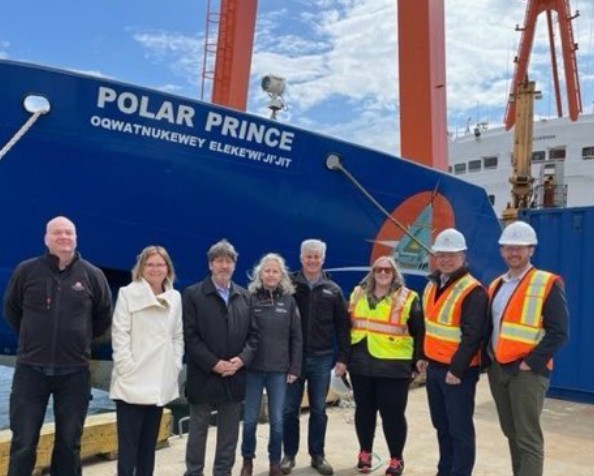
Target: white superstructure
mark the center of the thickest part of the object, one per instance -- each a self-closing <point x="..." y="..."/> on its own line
<point x="562" y="161"/>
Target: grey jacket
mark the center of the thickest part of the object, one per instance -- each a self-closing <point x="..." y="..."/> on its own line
<point x="279" y="327"/>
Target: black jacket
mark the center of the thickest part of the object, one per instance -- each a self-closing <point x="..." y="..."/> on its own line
<point x="555" y="321"/>
<point x="473" y="323"/>
<point x="279" y="327"/>
<point x="57" y="313"/>
<point x="215" y="331"/>
<point x="324" y="317"/>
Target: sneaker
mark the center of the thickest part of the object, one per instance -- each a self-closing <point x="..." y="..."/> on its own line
<point x="287" y="464"/>
<point x="248" y="467"/>
<point x="364" y="463"/>
<point x="395" y="468"/>
<point x="321" y="465"/>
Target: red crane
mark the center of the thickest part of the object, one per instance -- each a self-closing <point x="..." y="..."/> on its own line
<point x="231" y="75"/>
<point x="568" y="47"/>
<point x="423" y="128"/>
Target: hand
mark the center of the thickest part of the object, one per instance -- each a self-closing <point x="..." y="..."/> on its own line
<point x="421" y="366"/>
<point x="524" y="366"/>
<point x="340" y="369"/>
<point x="291" y="378"/>
<point x="237" y="363"/>
<point x="451" y="379"/>
<point x="221" y="367"/>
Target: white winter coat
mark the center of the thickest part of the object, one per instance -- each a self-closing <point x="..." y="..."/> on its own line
<point x="148" y="345"/>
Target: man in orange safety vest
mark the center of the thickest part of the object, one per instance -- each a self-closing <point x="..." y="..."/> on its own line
<point x="529" y="322"/>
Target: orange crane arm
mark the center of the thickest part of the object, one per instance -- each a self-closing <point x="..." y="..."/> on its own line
<point x="421" y="58"/>
<point x="421" y="32"/>
<point x="533" y="9"/>
<point x="234" y="53"/>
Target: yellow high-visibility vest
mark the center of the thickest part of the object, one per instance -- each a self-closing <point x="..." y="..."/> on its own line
<point x="385" y="327"/>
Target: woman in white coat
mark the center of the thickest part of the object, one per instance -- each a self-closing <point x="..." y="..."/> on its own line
<point x="147" y="340"/>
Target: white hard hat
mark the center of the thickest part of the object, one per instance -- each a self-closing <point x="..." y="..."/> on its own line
<point x="449" y="240"/>
<point x="518" y="233"/>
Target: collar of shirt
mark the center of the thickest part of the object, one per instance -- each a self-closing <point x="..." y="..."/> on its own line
<point x="507" y="278"/>
<point x="223" y="292"/>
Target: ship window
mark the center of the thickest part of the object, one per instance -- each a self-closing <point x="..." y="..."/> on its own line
<point x="490" y="162"/>
<point x="538" y="156"/>
<point x="474" y="165"/>
<point x="492" y="200"/>
<point x="449" y="168"/>
<point x="459" y="168"/>
<point x="588" y="153"/>
<point x="557" y="154"/>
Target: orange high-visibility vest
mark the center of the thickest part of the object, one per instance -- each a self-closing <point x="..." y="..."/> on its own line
<point x="385" y="326"/>
<point x="521" y="327"/>
<point x="442" y="319"/>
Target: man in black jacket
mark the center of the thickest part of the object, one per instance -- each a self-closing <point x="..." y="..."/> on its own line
<point x="57" y="303"/>
<point x="221" y="339"/>
<point x="324" y="322"/>
<point x="455" y="308"/>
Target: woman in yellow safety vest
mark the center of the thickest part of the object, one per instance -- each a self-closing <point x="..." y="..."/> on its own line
<point x="386" y="341"/>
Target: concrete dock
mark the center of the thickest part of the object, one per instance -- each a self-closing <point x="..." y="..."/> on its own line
<point x="568" y="426"/>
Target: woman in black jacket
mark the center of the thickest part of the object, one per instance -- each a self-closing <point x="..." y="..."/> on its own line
<point x="278" y="359"/>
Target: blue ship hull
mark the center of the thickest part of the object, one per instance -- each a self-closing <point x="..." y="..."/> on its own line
<point x="132" y="167"/>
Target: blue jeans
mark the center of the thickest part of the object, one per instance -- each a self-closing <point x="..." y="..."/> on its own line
<point x="452" y="410"/>
<point x="275" y="384"/>
<point x="28" y="401"/>
<point x="316" y="371"/>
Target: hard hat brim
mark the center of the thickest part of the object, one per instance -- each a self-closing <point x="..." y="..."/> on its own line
<point x="517" y="243"/>
<point x="440" y="249"/>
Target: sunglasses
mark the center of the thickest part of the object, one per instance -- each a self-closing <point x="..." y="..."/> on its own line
<point x="381" y="269"/>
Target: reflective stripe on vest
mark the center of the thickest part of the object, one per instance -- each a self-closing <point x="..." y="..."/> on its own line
<point x="521" y="326"/>
<point x="442" y="319"/>
<point x="385" y="326"/>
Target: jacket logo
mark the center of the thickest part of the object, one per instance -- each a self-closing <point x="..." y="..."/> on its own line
<point x="328" y="292"/>
<point x="78" y="286"/>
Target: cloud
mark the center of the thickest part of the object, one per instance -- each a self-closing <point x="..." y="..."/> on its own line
<point x="183" y="54"/>
<point x="340" y="61"/>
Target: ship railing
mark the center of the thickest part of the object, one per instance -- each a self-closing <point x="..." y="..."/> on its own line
<point x="549" y="195"/>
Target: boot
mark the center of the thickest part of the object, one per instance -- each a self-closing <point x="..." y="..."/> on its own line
<point x="275" y="470"/>
<point x="248" y="467"/>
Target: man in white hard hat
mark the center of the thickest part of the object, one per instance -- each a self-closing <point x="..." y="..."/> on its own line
<point x="529" y="322"/>
<point x="455" y="308"/>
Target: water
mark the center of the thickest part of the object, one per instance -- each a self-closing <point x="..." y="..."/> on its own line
<point x="99" y="404"/>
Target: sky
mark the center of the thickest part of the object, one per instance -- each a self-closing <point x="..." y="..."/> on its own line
<point x="339" y="57"/>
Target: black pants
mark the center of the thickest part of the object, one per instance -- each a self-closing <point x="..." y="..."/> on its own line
<point x="389" y="396"/>
<point x="138" y="429"/>
<point x="28" y="401"/>
<point x="228" y="418"/>
<point x="452" y="409"/>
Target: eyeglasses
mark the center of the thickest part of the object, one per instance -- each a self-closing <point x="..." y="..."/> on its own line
<point x="381" y="269"/>
<point x="156" y="265"/>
